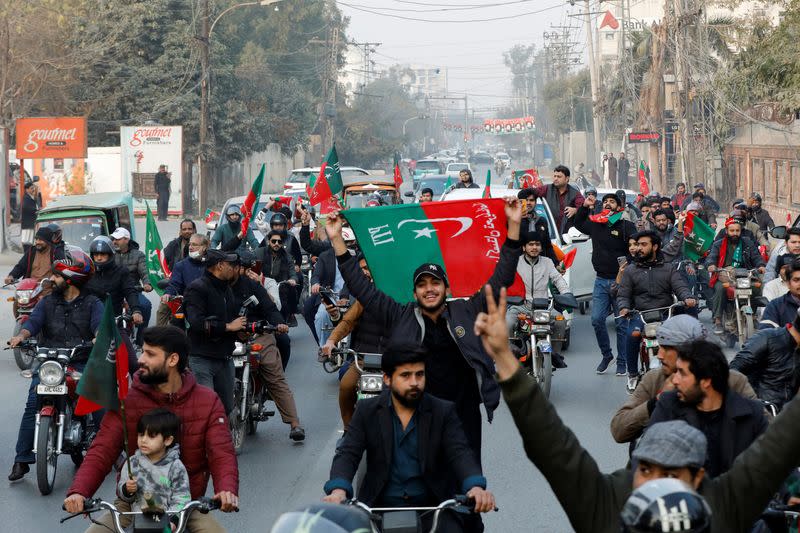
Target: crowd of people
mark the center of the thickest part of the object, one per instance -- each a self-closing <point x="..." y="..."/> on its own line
<point x="697" y="427"/>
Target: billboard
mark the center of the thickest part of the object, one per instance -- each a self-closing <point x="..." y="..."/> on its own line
<point x="51" y="137"/>
<point x="144" y="149"/>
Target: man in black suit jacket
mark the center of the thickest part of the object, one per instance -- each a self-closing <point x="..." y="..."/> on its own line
<point x="419" y="456"/>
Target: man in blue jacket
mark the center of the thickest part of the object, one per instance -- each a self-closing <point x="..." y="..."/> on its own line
<point x="459" y="370"/>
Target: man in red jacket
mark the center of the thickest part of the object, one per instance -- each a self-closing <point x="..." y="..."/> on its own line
<point x="206" y="447"/>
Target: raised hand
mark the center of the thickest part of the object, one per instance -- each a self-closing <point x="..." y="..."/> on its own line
<point x="333" y="226"/>
<point x="491" y="327"/>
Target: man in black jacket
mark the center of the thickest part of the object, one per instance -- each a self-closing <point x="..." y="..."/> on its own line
<point x="28" y="215"/>
<point x="702" y="398"/>
<point x="610" y="233"/>
<point x="245" y="284"/>
<point x="211" y="313"/>
<point x="459" y="369"/>
<point x="419" y="456"/>
<point x="178" y="248"/>
<point x="562" y="198"/>
<point x="648" y="283"/>
<point x="112" y="279"/>
<point x="161" y="185"/>
<point x="771" y="361"/>
<point x="278" y="265"/>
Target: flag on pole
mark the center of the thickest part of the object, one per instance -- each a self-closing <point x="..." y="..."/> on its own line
<point x="697" y="237"/>
<point x="397" y="239"/>
<point x="487" y="189"/>
<point x="643" y="187"/>
<point x="524" y="179"/>
<point x="329" y="181"/>
<point x="104" y="383"/>
<point x="398" y="176"/>
<point x="448" y="184"/>
<point x="209" y="216"/>
<point x="157" y="268"/>
<point x="250" y="205"/>
<point x="788" y="219"/>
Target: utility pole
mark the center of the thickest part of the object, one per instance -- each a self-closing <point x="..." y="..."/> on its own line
<point x="329" y="90"/>
<point x="594" y="78"/>
<point x="682" y="78"/>
<point x="206" y="135"/>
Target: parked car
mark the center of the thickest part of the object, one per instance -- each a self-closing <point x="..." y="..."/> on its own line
<point x="481" y="158"/>
<point x="504" y="157"/>
<point x="580" y="277"/>
<point x="299" y="177"/>
<point x="427" y="166"/>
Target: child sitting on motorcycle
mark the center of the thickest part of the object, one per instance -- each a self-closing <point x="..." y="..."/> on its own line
<point x="158" y="477"/>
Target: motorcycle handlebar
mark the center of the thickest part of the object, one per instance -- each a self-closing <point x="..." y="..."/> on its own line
<point x="260" y="327"/>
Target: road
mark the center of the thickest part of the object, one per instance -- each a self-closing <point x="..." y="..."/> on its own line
<point x="277" y="475"/>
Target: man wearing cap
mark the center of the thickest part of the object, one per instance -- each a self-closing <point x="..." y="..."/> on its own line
<point x="131" y="257"/>
<point x="610" y="234"/>
<point x="749" y="228"/>
<point x="631" y="419"/>
<point x="593" y="500"/>
<point x="36" y="262"/>
<point x="228" y="236"/>
<point x="710" y="206"/>
<point x="733" y="250"/>
<point x="458" y="369"/>
<point x="704" y="400"/>
<point x="213" y="321"/>
<point x="562" y="198"/>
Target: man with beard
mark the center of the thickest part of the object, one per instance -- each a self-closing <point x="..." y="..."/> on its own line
<point x="178" y="248"/>
<point x="733" y="250"/>
<point x="277" y="264"/>
<point x="648" y="283"/>
<point x="229" y="236"/>
<point x="164" y="380"/>
<point x="782" y="310"/>
<point x="460" y="371"/>
<point x="562" y="198"/>
<point x="759" y="215"/>
<point x="663" y="226"/>
<point x="703" y="399"/>
<point x="38" y="259"/>
<point x="66" y="318"/>
<point x="211" y="314"/>
<point x="420" y="456"/>
<point x="631" y="419"/>
<point x="610" y="234"/>
<point x="465" y="180"/>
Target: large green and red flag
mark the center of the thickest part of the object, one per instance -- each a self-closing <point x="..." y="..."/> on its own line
<point x="398" y="176"/>
<point x="644" y="188"/>
<point x="524" y="179"/>
<point x="250" y="205"/>
<point x="697" y="237"/>
<point x="463" y="236"/>
<point x="606" y="217"/>
<point x="487" y="189"/>
<point x="157" y="268"/>
<point x="329" y="181"/>
<point x="104" y="382"/>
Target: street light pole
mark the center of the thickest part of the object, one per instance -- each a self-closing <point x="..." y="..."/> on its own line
<point x="206" y="130"/>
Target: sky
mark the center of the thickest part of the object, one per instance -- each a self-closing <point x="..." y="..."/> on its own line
<point x="472" y="52"/>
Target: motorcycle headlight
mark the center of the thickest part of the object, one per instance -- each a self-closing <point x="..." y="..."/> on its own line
<point x="541" y="317"/>
<point x="51" y="373"/>
<point x="24" y="297"/>
<point x="742" y="283"/>
<point x="650" y="330"/>
<point x="371" y="383"/>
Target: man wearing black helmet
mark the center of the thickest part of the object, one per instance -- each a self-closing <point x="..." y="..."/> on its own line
<point x="280" y="223"/>
<point x="229" y="237"/>
<point x="66" y="318"/>
<point x="37" y="260"/>
<point x="112" y="279"/>
<point x="759" y="215"/>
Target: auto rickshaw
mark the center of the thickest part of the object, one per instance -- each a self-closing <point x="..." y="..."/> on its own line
<point x="357" y="193"/>
<point x="83" y="217"/>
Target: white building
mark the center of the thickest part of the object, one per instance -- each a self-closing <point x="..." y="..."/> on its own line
<point x="427" y="81"/>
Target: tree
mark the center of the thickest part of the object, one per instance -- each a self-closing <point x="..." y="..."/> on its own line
<point x="569" y="103"/>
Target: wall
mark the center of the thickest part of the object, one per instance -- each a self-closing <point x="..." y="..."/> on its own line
<point x="4" y="139"/>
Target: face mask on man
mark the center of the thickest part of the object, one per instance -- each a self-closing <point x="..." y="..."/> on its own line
<point x="195" y="254"/>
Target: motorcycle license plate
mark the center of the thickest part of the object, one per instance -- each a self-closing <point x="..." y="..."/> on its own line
<point x="650" y="343"/>
<point x="46" y="389"/>
<point x="238" y="362"/>
<point x="743" y="292"/>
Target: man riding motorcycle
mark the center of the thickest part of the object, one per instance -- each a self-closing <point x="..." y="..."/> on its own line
<point x="228" y="236"/>
<point x="112" y="279"/>
<point x="131" y="257"/>
<point x="38" y="259"/>
<point x="277" y="264"/>
<point x="759" y="215"/>
<point x="731" y="250"/>
<point x="66" y="318"/>
<point x="537" y="273"/>
<point x="648" y="283"/>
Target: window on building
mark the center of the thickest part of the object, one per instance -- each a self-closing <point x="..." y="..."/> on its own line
<point x="783" y="180"/>
<point x="758" y="175"/>
<point x="770" y="183"/>
<point x="795" y="178"/>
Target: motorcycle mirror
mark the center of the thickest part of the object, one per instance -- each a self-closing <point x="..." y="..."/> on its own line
<point x="778" y="232"/>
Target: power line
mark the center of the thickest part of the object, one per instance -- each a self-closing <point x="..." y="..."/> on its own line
<point x="414" y="19"/>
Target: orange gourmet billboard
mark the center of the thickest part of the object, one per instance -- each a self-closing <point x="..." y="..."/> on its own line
<point x="51" y="137"/>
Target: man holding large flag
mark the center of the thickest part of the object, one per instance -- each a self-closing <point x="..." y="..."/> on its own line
<point x="164" y="380"/>
<point x="457" y="368"/>
<point x="562" y="198"/>
<point x="66" y="318"/>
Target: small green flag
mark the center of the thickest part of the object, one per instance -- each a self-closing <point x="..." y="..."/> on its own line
<point x="487" y="189"/>
<point x="448" y="184"/>
<point x="157" y="268"/>
<point x="697" y="237"/>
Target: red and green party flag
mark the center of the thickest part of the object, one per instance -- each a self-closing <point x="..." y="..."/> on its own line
<point x="250" y="204"/>
<point x="398" y="176"/>
<point x="643" y="187"/>
<point x="697" y="237"/>
<point x="463" y="236"/>
<point x="524" y="179"/>
<point x="569" y="258"/>
<point x="104" y="382"/>
<point x="157" y="268"/>
<point x="606" y="217"/>
<point x="329" y="181"/>
<point x="487" y="189"/>
<point x="209" y="216"/>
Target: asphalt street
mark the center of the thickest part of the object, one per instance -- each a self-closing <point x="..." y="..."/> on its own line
<point x="277" y="475"/>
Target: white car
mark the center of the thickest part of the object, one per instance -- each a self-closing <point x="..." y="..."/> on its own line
<point x="580" y="277"/>
<point x="504" y="157"/>
<point x="454" y="168"/>
<point x="299" y="177"/>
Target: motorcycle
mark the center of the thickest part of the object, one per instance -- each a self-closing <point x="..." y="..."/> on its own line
<point x="148" y="520"/>
<point x="306" y="268"/>
<point x="739" y="317"/>
<point x="531" y="341"/>
<point x="175" y="305"/>
<point x="370" y="384"/>
<point x="57" y="430"/>
<point x="409" y="519"/>
<point x="648" y="348"/>
<point x="250" y="393"/>
<point x="27" y="294"/>
<point x="696" y="277"/>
